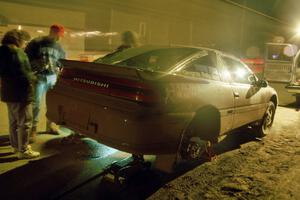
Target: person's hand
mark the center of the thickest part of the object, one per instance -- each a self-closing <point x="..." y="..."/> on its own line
<point x="34" y="78"/>
<point x="58" y="71"/>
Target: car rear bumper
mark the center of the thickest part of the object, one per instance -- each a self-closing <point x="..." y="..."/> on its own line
<point x="293" y="89"/>
<point x="133" y="131"/>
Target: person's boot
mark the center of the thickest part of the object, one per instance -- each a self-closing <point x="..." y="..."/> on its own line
<point x="32" y="135"/>
<point x="28" y="154"/>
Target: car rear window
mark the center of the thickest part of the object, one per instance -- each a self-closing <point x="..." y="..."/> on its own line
<point x="159" y="59"/>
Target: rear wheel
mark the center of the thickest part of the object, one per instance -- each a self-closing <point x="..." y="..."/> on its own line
<point x="267" y="121"/>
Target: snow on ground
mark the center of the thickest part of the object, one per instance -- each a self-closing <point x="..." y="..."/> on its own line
<point x="266" y="169"/>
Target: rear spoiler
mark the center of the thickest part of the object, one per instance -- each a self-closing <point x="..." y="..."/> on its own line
<point x="107" y="69"/>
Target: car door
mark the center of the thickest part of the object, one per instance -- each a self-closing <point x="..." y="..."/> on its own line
<point x="249" y="103"/>
<point x="214" y="91"/>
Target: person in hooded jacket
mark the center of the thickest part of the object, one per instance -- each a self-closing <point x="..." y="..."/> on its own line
<point x="17" y="82"/>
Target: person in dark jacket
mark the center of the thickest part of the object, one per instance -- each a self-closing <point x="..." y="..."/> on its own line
<point x="129" y="39"/>
<point x="44" y="54"/>
<point x="17" y="81"/>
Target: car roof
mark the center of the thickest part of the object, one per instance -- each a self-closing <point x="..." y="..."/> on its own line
<point x="131" y="52"/>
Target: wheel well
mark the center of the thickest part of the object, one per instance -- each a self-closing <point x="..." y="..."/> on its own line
<point x="205" y="124"/>
<point x="274" y="100"/>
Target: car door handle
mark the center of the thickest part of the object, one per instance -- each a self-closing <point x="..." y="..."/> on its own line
<point x="236" y="94"/>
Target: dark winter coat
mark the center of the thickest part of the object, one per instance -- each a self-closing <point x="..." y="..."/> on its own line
<point x="44" y="54"/>
<point x="17" y="78"/>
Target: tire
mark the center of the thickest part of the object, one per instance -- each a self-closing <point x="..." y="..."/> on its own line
<point x="267" y="121"/>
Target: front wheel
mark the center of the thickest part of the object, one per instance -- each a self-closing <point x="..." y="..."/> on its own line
<point x="297" y="100"/>
<point x="267" y="121"/>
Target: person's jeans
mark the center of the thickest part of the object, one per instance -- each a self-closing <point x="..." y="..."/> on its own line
<point x="44" y="83"/>
<point x="20" y="123"/>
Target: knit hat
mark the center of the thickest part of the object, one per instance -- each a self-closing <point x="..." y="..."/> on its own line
<point x="59" y="29"/>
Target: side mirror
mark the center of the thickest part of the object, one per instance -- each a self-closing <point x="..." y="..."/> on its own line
<point x="263" y="83"/>
<point x="256" y="82"/>
<point x="252" y="79"/>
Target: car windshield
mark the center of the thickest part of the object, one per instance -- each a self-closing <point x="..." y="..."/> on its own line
<point x="155" y="60"/>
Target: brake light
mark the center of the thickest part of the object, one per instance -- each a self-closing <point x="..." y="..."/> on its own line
<point x="117" y="87"/>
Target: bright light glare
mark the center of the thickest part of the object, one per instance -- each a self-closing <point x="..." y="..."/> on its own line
<point x="92" y="34"/>
<point x="108" y="151"/>
<point x="290" y="50"/>
<point x="19" y="27"/>
<point x="240" y="73"/>
<point x="226" y="74"/>
<point x="298" y="31"/>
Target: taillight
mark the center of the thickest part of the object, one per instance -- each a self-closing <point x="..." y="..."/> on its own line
<point x="117" y="87"/>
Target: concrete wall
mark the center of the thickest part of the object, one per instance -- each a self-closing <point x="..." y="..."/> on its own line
<point x="41" y="16"/>
<point x="212" y="23"/>
<point x="36" y="20"/>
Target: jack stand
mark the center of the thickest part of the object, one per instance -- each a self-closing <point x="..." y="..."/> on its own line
<point x="120" y="171"/>
<point x="211" y="155"/>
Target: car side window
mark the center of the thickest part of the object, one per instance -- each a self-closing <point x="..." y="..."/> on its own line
<point x="238" y="72"/>
<point x="204" y="67"/>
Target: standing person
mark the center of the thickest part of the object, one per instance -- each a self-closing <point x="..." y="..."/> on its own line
<point x="17" y="81"/>
<point x="129" y="39"/>
<point x="44" y="54"/>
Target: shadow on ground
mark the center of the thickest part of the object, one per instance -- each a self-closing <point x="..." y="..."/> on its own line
<point x="47" y="177"/>
<point x="4" y="140"/>
<point x="145" y="182"/>
<point x="292" y="105"/>
<point x="39" y="179"/>
<point x="54" y="177"/>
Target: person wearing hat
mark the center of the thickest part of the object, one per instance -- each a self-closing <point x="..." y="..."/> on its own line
<point x="129" y="39"/>
<point x="44" y="54"/>
<point x="17" y="81"/>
